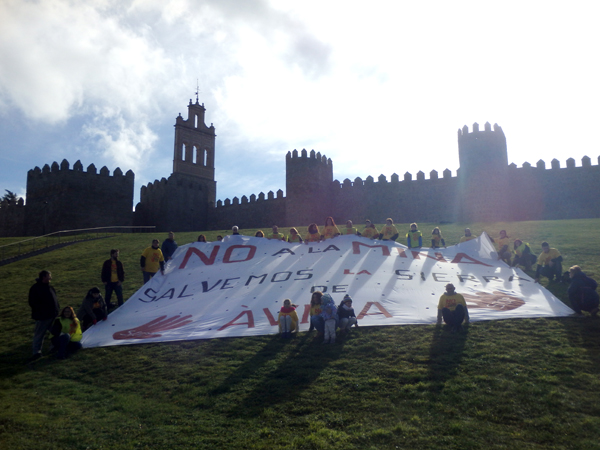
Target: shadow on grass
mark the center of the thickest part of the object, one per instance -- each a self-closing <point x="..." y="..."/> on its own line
<point x="445" y="355"/>
<point x="300" y="362"/>
<point x="584" y="331"/>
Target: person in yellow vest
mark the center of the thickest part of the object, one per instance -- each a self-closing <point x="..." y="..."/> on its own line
<point x="503" y="243"/>
<point x="436" y="238"/>
<point x="468" y="236"/>
<point x="288" y="319"/>
<point x="349" y="229"/>
<point x="549" y="264"/>
<point x="523" y="256"/>
<point x="389" y="231"/>
<point x="370" y="232"/>
<point x="313" y="234"/>
<point x="453" y="309"/>
<point x="330" y="230"/>
<point x="276" y="234"/>
<point x="294" y="237"/>
<point x="414" y="237"/>
<point x="66" y="332"/>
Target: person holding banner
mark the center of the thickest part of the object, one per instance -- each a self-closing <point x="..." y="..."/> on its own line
<point x="453" y="309"/>
<point x="504" y="252"/>
<point x="370" y="232"/>
<point x="468" y="236"/>
<point x="294" y="237"/>
<point x="349" y="229"/>
<point x="330" y="230"/>
<point x="436" y="238"/>
<point x="523" y="256"/>
<point x="549" y="264"/>
<point x="389" y="231"/>
<point x="276" y="235"/>
<point x="259" y="234"/>
<point x="288" y="319"/>
<point x="414" y="237"/>
<point x="313" y="234"/>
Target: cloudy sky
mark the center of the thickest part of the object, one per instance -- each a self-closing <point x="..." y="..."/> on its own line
<point x="380" y="87"/>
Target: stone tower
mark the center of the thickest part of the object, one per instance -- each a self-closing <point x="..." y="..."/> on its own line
<point x="185" y="200"/>
<point x="483" y="175"/>
<point x="308" y="184"/>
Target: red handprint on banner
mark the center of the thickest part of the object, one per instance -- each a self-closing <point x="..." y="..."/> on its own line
<point x="152" y="328"/>
<point x="496" y="300"/>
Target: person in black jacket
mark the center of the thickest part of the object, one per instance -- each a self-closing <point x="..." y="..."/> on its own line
<point x="93" y="309"/>
<point x="582" y="292"/>
<point x="44" y="308"/>
<point x="346" y="314"/>
<point x="113" y="277"/>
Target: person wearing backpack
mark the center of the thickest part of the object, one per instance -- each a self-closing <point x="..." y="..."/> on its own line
<point x="582" y="292"/>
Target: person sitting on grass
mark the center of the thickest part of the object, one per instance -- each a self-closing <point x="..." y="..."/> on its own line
<point x="313" y="234"/>
<point x="201" y="238"/>
<point x="259" y="234"/>
<point x="436" y="238"/>
<point x="582" y="292"/>
<point x="330" y="318"/>
<point x="294" y="237"/>
<point x="468" y="236"/>
<point x="370" y="232"/>
<point x="388" y="231"/>
<point x="349" y="229"/>
<point x="275" y="234"/>
<point x="330" y="230"/>
<point x="549" y="264"/>
<point x="66" y="332"/>
<point x="414" y="237"/>
<point x="504" y="252"/>
<point x="316" y="321"/>
<point x="523" y="256"/>
<point x="453" y="309"/>
<point x="288" y="319"/>
<point x="93" y="309"/>
<point x="346" y="314"/>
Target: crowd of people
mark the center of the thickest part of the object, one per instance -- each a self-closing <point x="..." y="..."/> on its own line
<point x="66" y="327"/>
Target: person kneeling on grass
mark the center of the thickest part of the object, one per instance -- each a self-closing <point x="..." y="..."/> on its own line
<point x="66" y="332"/>
<point x="453" y="309"/>
<point x="330" y="317"/>
<point x="346" y="314"/>
<point x="582" y="292"/>
<point x="93" y="309"/>
<point x="288" y="319"/>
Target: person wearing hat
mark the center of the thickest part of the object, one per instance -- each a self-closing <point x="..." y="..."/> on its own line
<point x="330" y="317"/>
<point x="453" y="309"/>
<point x="346" y="314"/>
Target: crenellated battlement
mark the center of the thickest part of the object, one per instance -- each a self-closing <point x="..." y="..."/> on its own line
<point x="394" y="179"/>
<point x="64" y="168"/>
<point x="293" y="155"/>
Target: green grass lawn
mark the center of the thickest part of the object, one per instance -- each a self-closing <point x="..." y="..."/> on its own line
<point x="509" y="384"/>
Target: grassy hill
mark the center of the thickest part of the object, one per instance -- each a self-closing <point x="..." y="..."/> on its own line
<point x="510" y="384"/>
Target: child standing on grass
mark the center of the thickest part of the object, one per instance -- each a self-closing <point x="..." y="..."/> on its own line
<point x="316" y="321"/>
<point x="329" y="315"/>
<point x="288" y="319"/>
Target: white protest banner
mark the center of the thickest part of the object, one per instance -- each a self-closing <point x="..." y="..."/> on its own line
<point x="236" y="288"/>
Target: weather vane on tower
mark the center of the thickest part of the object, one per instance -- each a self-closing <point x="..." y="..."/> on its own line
<point x="197" y="90"/>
